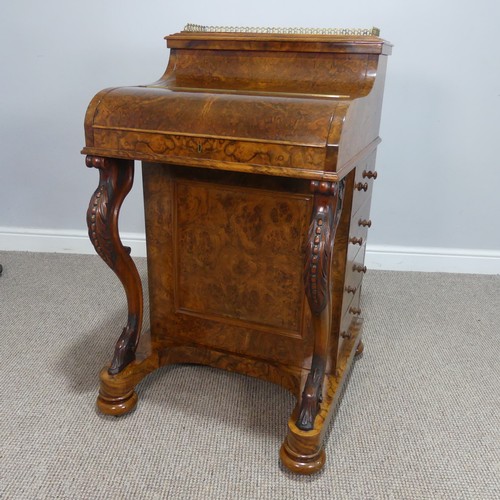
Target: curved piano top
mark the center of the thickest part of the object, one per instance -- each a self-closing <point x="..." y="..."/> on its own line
<point x="297" y="105"/>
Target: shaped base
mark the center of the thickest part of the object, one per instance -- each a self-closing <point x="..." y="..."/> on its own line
<point x="302" y="452"/>
<point x="301" y="464"/>
<point x="116" y="406"/>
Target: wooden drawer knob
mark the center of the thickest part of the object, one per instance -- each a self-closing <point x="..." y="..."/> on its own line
<point x="350" y="289"/>
<point x="356" y="241"/>
<point x="361" y="187"/>
<point x="369" y="174"/>
<point x="355" y="310"/>
<point x="359" y="268"/>
<point x="365" y="223"/>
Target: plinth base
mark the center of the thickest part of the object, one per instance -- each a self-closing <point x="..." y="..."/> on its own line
<point x="116" y="406"/>
<point x="302" y="452"/>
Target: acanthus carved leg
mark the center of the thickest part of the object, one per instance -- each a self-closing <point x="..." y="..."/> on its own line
<point x="115" y="181"/>
<point x="326" y="214"/>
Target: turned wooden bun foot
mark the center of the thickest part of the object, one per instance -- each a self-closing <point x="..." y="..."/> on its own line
<point x="116" y="405"/>
<point x="360" y="348"/>
<point x="302" y="464"/>
<point x="116" y="394"/>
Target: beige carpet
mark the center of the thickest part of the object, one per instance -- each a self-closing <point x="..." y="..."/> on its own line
<point x="420" y="418"/>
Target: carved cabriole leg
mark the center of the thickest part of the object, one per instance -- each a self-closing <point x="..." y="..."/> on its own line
<point x="115" y="181"/>
<point x="317" y="287"/>
<point x="302" y="451"/>
<point x="296" y="455"/>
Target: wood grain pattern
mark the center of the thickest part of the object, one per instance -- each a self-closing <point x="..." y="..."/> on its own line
<point x="263" y="71"/>
<point x="249" y="270"/>
<point x="302" y="452"/>
<point x="246" y="238"/>
<point x="164" y="145"/>
<point x="226" y="261"/>
<point x="230" y="106"/>
<point x="115" y="181"/>
<point x="218" y="115"/>
<point x="328" y="200"/>
<point x="338" y="44"/>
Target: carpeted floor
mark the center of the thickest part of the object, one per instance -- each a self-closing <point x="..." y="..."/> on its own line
<point x="420" y="418"/>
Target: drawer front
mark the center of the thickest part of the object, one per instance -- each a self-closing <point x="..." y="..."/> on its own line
<point x="360" y="223"/>
<point x="362" y="194"/>
<point x="344" y="328"/>
<point x="363" y="183"/>
<point x="353" y="278"/>
<point x="156" y="146"/>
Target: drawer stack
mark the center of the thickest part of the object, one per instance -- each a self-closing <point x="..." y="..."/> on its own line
<point x="356" y="246"/>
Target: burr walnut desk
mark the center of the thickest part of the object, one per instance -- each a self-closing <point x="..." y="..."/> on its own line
<point x="258" y="154"/>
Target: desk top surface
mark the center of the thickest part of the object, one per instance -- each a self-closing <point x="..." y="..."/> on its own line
<point x="227" y="99"/>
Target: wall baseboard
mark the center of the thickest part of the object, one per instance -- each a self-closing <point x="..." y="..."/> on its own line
<point x="433" y="259"/>
<point x="383" y="257"/>
<point x="52" y="240"/>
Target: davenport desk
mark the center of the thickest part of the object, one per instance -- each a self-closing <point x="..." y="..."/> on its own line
<point x="258" y="154"/>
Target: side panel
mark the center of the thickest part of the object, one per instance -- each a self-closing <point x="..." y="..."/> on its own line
<point x="226" y="256"/>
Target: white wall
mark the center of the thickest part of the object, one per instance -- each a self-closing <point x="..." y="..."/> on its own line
<point x="436" y="204"/>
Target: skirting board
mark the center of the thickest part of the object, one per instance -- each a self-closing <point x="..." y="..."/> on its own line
<point x="383" y="257"/>
<point x="432" y="259"/>
<point x="52" y="240"/>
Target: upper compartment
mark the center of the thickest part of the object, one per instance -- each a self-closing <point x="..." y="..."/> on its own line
<point x="263" y="102"/>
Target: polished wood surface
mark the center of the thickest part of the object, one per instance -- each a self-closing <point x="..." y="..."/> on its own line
<point x="245" y="102"/>
<point x="225" y="267"/>
<point x="258" y="156"/>
<point x="115" y="181"/>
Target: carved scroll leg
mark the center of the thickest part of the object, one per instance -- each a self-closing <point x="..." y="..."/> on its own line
<point x="317" y="286"/>
<point x="115" y="181"/>
<point x="312" y="394"/>
<point x="302" y="451"/>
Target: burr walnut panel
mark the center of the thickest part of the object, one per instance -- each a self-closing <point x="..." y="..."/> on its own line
<point x="313" y="73"/>
<point x="160" y="145"/>
<point x="231" y="240"/>
<point x="258" y="156"/>
<point x="269" y="119"/>
<point x="194" y="296"/>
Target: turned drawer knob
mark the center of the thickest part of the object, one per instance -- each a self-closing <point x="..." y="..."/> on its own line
<point x="350" y="289"/>
<point x="359" y="268"/>
<point x="355" y="310"/>
<point x="365" y="223"/>
<point x="369" y="174"/>
<point x="361" y="187"/>
<point x="356" y="241"/>
<point x="345" y="335"/>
